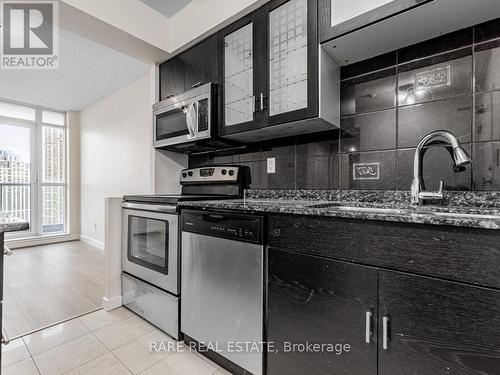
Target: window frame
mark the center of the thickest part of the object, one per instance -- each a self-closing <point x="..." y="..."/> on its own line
<point x="37" y="184"/>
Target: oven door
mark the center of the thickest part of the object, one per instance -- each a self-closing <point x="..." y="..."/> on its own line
<point x="150" y="247"/>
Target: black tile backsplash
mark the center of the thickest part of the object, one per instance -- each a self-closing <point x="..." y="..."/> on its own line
<point x="388" y="103"/>
<point x="486" y="156"/>
<point x="488" y="69"/>
<point x="437" y="166"/>
<point x="435" y="80"/>
<point x="486" y="31"/>
<point x="368" y="171"/>
<point x="441" y="44"/>
<point x="487" y="124"/>
<point x="368" y="93"/>
<point x="415" y="121"/>
<point x="363" y="67"/>
<point x="373" y="131"/>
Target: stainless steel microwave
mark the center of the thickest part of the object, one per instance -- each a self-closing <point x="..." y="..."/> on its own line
<point x="184" y="119"/>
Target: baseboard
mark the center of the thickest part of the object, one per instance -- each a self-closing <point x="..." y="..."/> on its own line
<point x="91" y="241"/>
<point x="16" y="243"/>
<point x="111" y="304"/>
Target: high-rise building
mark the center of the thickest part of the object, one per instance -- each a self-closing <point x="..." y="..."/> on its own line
<point x="14" y="196"/>
<point x="53" y="172"/>
<point x="15" y="180"/>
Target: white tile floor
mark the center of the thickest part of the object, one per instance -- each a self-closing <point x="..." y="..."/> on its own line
<point x="101" y="343"/>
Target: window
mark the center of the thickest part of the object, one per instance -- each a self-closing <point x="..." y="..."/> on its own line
<point x="33" y="174"/>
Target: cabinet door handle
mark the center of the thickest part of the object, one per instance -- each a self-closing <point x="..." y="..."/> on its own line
<point x="262" y="101"/>
<point x="385" y="332"/>
<point x="368" y="326"/>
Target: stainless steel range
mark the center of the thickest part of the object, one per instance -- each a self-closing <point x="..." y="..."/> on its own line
<point x="150" y="242"/>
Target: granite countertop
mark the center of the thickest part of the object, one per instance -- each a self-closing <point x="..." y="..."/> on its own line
<point x="10" y="223"/>
<point x="474" y="210"/>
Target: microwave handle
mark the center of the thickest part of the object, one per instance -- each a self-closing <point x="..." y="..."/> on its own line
<point x="191" y="119"/>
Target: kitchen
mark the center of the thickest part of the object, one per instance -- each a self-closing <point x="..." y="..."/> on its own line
<point x="322" y="195"/>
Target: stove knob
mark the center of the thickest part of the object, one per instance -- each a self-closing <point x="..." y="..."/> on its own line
<point x="231" y="172"/>
<point x="224" y="172"/>
<point x="190" y="174"/>
<point x="184" y="175"/>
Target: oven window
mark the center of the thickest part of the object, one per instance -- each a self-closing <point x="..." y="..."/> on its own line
<point x="171" y="124"/>
<point x="148" y="243"/>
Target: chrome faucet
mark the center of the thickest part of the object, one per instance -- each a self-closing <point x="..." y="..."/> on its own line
<point x="460" y="159"/>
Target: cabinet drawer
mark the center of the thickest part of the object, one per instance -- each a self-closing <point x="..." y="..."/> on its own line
<point x="156" y="306"/>
<point x="454" y="253"/>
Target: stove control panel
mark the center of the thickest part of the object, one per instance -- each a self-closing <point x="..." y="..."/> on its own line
<point x="210" y="174"/>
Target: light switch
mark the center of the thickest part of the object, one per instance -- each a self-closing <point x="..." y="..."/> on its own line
<point x="271" y="165"/>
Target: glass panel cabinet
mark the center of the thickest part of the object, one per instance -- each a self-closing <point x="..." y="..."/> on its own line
<point x="288" y="57"/>
<point x="238" y="52"/>
<point x="238" y="76"/>
<point x="270" y="67"/>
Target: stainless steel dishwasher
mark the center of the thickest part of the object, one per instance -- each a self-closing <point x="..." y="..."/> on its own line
<point x="222" y="285"/>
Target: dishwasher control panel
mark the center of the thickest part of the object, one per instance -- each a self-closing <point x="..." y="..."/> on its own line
<point x="236" y="227"/>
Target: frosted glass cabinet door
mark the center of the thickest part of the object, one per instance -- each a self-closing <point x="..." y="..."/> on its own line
<point x="288" y="47"/>
<point x="239" y="76"/>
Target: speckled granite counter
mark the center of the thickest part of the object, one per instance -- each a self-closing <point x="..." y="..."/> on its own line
<point x="475" y="210"/>
<point x="11" y="224"/>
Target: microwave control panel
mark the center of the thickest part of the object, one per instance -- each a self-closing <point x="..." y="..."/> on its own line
<point x="203" y="115"/>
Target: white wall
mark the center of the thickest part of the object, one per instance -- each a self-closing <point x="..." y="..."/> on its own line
<point x="73" y="147"/>
<point x="200" y="17"/>
<point x="205" y="16"/>
<point x="131" y="16"/>
<point x="115" y="152"/>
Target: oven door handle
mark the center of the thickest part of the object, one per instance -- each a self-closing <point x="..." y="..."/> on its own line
<point x="150" y="207"/>
<point x="191" y="119"/>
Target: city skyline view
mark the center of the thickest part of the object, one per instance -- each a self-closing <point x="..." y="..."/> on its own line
<point x="15" y="175"/>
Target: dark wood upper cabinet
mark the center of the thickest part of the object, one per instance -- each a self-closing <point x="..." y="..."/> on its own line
<point x="193" y="67"/>
<point x="171" y="78"/>
<point x="320" y="301"/>
<point x="269" y="67"/>
<point x="239" y="60"/>
<point x="438" y="327"/>
<point x="340" y="17"/>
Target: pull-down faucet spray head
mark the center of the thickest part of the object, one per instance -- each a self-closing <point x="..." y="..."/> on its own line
<point x="460" y="157"/>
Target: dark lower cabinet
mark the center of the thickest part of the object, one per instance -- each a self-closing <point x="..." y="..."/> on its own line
<point x="319" y="301"/>
<point x="438" y="327"/>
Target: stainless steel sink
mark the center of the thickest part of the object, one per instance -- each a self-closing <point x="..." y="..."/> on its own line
<point x="375" y="210"/>
<point x="401" y="211"/>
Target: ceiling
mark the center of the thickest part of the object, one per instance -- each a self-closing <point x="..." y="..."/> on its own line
<point x="88" y="71"/>
<point x="167" y="7"/>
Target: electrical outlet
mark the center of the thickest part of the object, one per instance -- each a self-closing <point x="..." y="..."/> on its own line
<point x="271" y="165"/>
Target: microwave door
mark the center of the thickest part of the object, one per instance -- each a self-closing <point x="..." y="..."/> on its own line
<point x="171" y="125"/>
